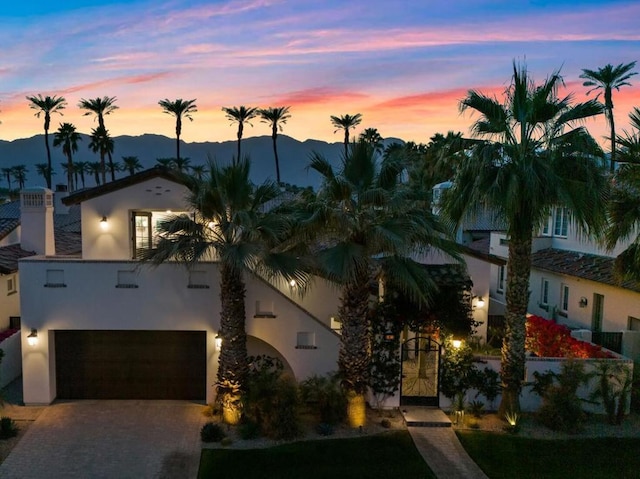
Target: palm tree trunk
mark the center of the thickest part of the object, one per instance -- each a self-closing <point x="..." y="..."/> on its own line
<point x="49" y="167"/>
<point x="232" y="362"/>
<point x="274" y="137"/>
<point x="355" y="347"/>
<point x="111" y="167"/>
<point x="103" y="168"/>
<point x="239" y="140"/>
<point x="69" y="171"/>
<point x="612" y="166"/>
<point x="517" y="299"/>
<point x="346" y="142"/>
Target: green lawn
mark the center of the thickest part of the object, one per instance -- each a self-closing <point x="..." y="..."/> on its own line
<point x="508" y="456"/>
<point x="390" y="455"/>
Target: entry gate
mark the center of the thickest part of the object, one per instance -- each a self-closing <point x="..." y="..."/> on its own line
<point x="420" y="372"/>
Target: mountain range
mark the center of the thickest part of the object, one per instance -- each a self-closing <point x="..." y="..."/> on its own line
<point x="293" y="154"/>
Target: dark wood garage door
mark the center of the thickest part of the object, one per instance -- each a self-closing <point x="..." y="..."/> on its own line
<point x="131" y="364"/>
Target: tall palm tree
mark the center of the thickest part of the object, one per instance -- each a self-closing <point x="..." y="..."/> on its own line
<point x="532" y="157"/>
<point x="606" y="79"/>
<point x="131" y="164"/>
<point x="165" y="162"/>
<point x="46" y="106"/>
<point x="624" y="205"/>
<point x="102" y="143"/>
<point x="180" y="109"/>
<point x="346" y="123"/>
<point x="240" y="115"/>
<point x="100" y="107"/>
<point x="275" y="117"/>
<point x="68" y="138"/>
<point x="79" y="169"/>
<point x="182" y="165"/>
<point x="232" y="227"/>
<point x="7" y="174"/>
<point x="198" y="171"/>
<point x="367" y="224"/>
<point x="19" y="173"/>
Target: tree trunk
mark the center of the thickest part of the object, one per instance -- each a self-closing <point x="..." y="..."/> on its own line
<point x="111" y="167"/>
<point x="232" y="361"/>
<point x="103" y="168"/>
<point x="49" y="168"/>
<point x="240" y="128"/>
<point x="517" y="299"/>
<point x="69" y="171"/>
<point x="274" y="137"/>
<point x="346" y="142"/>
<point x="355" y="347"/>
<point x="612" y="166"/>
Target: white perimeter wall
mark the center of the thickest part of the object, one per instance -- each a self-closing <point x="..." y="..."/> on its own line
<point x="162" y="301"/>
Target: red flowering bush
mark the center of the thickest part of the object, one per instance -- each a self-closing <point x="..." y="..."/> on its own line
<point x="551" y="340"/>
<point x="6" y="333"/>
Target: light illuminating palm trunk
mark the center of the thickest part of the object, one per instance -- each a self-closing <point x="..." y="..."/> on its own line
<point x="232" y="363"/>
<point x="355" y="347"/>
<point x="517" y="299"/>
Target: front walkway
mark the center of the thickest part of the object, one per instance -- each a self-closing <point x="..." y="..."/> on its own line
<point x="110" y="439"/>
<point x="431" y="431"/>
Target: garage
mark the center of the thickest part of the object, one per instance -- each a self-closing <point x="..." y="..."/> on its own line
<point x="131" y="364"/>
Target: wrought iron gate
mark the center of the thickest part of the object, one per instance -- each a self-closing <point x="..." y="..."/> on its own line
<point x="420" y="372"/>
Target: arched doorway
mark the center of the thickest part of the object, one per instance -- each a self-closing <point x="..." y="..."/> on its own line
<point x="420" y="380"/>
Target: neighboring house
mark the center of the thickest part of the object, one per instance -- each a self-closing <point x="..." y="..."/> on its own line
<point x="572" y="282"/>
<point x="111" y="327"/>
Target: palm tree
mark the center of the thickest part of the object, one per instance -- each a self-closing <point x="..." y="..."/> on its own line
<point x="366" y="225"/>
<point x="100" y="107"/>
<point x="532" y="157"/>
<point x="102" y="143"/>
<point x="346" y="123"/>
<point x="373" y="137"/>
<point x="19" y="173"/>
<point x="232" y="227"/>
<point x="80" y="168"/>
<point x="624" y="205"/>
<point x="198" y="171"/>
<point x="240" y="115"/>
<point x="96" y="169"/>
<point x="606" y="79"/>
<point x="46" y="106"/>
<point x="131" y="164"/>
<point x="275" y="117"/>
<point x="44" y="170"/>
<point x="68" y="138"/>
<point x="182" y="165"/>
<point x="7" y="174"/>
<point x="165" y="162"/>
<point x="180" y="109"/>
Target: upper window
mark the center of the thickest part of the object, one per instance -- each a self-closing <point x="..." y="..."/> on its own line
<point x="144" y="225"/>
<point x="561" y="222"/>
<point x="12" y="286"/>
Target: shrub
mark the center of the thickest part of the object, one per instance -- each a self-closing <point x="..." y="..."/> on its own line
<point x="325" y="429"/>
<point x="476" y="408"/>
<point x="458" y="373"/>
<point x="8" y="428"/>
<point x="226" y="441"/>
<point x="561" y="408"/>
<point x="324" y="396"/>
<point x="488" y="385"/>
<point x="613" y="388"/>
<point x="248" y="430"/>
<point x="212" y="432"/>
<point x="385" y="423"/>
<point x="271" y="399"/>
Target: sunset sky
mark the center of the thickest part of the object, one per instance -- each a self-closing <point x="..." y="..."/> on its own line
<point x="403" y="65"/>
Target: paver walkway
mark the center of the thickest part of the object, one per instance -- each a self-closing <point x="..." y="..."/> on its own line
<point x="438" y="444"/>
<point x="110" y="439"/>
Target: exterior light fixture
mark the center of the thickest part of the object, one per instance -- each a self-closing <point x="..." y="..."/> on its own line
<point x="389" y="336"/>
<point x="104" y="224"/>
<point x="480" y="302"/>
<point x="456" y="343"/>
<point x="32" y="338"/>
<point x="218" y="342"/>
<point x="583" y="302"/>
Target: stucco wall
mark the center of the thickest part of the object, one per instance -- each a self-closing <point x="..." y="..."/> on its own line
<point x="9" y="302"/>
<point x="11" y="365"/>
<point x="90" y="300"/>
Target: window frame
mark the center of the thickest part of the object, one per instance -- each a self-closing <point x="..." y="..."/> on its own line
<point x="564" y="297"/>
<point x="544" y="292"/>
<point x="561" y="222"/>
<point x="502" y="276"/>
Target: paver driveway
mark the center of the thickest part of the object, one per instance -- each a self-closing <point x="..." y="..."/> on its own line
<point x="110" y="439"/>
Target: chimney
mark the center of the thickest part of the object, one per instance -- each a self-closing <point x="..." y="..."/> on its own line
<point x="59" y="207"/>
<point x="36" y="221"/>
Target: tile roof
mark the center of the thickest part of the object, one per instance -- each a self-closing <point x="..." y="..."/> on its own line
<point x="581" y="265"/>
<point x="7" y="225"/>
<point x="9" y="256"/>
<point x="481" y="249"/>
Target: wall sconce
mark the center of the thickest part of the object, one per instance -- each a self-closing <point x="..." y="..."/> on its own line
<point x="456" y="343"/>
<point x="104" y="225"/>
<point x="480" y="302"/>
<point x="32" y="338"/>
<point x="583" y="302"/>
<point x="218" y="341"/>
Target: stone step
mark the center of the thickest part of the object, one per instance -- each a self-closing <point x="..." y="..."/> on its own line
<point x="417" y="416"/>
